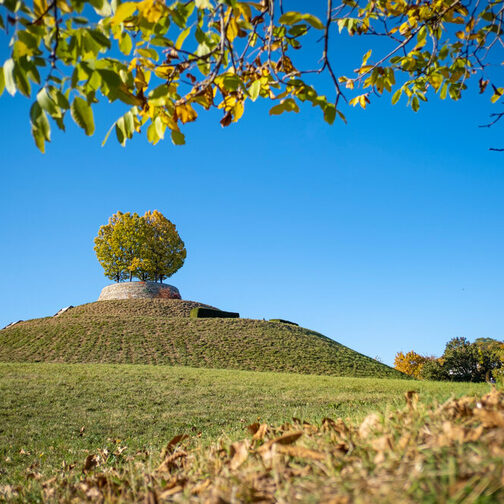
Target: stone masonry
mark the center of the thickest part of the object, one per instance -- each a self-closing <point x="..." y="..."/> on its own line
<point x="139" y="290"/>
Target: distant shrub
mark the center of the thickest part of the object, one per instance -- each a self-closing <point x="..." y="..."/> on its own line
<point x="433" y="370"/>
<point x="201" y="312"/>
<point x="283" y="321"/>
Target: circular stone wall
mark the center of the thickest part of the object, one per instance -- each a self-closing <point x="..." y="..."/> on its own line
<point x="139" y="290"/>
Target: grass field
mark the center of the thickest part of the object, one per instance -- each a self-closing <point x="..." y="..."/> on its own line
<point x="161" y="332"/>
<point x="43" y="408"/>
<point x="90" y="400"/>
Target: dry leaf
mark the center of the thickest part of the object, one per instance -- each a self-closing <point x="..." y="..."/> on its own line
<point x="288" y="438"/>
<point x="253" y="428"/>
<point x="261" y="432"/>
<point x="150" y="498"/>
<point x="411" y="398"/>
<point x="170" y="461"/>
<point x="90" y="463"/>
<point x="238" y="453"/>
<point x="368" y="425"/>
<point x="170" y="447"/>
<point x="301" y="452"/>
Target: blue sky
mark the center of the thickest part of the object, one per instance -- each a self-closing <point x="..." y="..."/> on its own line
<point x="386" y="234"/>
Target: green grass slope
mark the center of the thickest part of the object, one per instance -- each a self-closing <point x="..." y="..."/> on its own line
<point x="50" y="413"/>
<point x="161" y="332"/>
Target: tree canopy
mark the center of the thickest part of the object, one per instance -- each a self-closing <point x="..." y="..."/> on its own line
<point x="169" y="61"/>
<point x="461" y="361"/>
<point x="148" y="247"/>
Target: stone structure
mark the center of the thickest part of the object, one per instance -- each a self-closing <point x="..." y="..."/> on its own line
<point x="139" y="290"/>
<point x="11" y="324"/>
<point x="63" y="310"/>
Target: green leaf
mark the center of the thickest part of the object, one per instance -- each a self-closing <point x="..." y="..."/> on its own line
<point x="290" y="18"/>
<point x="22" y="82"/>
<point x="60" y="98"/>
<point x="120" y="131"/>
<point x="330" y="113"/>
<point x="125" y="45"/>
<point x="415" y="104"/>
<point x="108" y="134"/>
<point x="40" y="122"/>
<point x="254" y="89"/>
<point x="341" y="116"/>
<point x="396" y="96"/>
<point x="231" y="81"/>
<point x="160" y="127"/>
<point x="129" y="124"/>
<point x="148" y="52"/>
<point x="82" y="114"/>
<point x="277" y="109"/>
<point x="314" y="21"/>
<point x="45" y="101"/>
<point x="152" y="135"/>
<point x="8" y="73"/>
<point x="39" y="139"/>
<point x="2" y="81"/>
<point x="177" y="137"/>
<point x="100" y="38"/>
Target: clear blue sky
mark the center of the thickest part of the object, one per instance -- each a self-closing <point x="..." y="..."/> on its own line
<point x="386" y="234"/>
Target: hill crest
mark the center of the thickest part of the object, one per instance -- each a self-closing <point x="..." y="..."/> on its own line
<point x="159" y="331"/>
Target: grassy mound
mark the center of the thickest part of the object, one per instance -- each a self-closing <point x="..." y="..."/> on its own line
<point x="161" y="332"/>
<point x="136" y="307"/>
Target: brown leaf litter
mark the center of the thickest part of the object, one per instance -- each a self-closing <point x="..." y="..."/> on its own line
<point x="443" y="453"/>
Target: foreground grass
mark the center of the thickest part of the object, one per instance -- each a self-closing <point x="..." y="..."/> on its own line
<point x="54" y="414"/>
<point x="161" y="332"/>
<point x="448" y="453"/>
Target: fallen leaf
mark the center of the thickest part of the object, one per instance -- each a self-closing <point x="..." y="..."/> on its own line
<point x="90" y="462"/>
<point x="238" y="453"/>
<point x="261" y="432"/>
<point x="301" y="452"/>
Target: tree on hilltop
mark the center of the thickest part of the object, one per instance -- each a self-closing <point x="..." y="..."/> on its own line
<point x="165" y="251"/>
<point x="168" y="61"/>
<point x="148" y="248"/>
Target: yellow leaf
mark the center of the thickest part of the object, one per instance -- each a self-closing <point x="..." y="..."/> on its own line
<point x="164" y="71"/>
<point x="151" y="10"/>
<point x="124" y="11"/>
<point x="232" y="30"/>
<point x="238" y="110"/>
<point x="185" y="113"/>
<point x="39" y="7"/>
<point x="366" y="57"/>
<point x="181" y="38"/>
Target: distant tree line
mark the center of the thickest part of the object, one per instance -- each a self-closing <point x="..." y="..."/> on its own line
<point x="462" y="361"/>
<point x="145" y="247"/>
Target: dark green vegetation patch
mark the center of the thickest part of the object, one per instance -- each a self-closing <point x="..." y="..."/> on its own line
<point x="161" y="332"/>
<point x="201" y="312"/>
<point x="282" y="321"/>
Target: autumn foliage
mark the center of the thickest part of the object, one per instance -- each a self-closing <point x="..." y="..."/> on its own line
<point x="148" y="248"/>
<point x="461" y="361"/>
<point x="168" y="62"/>
<point x="410" y="363"/>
